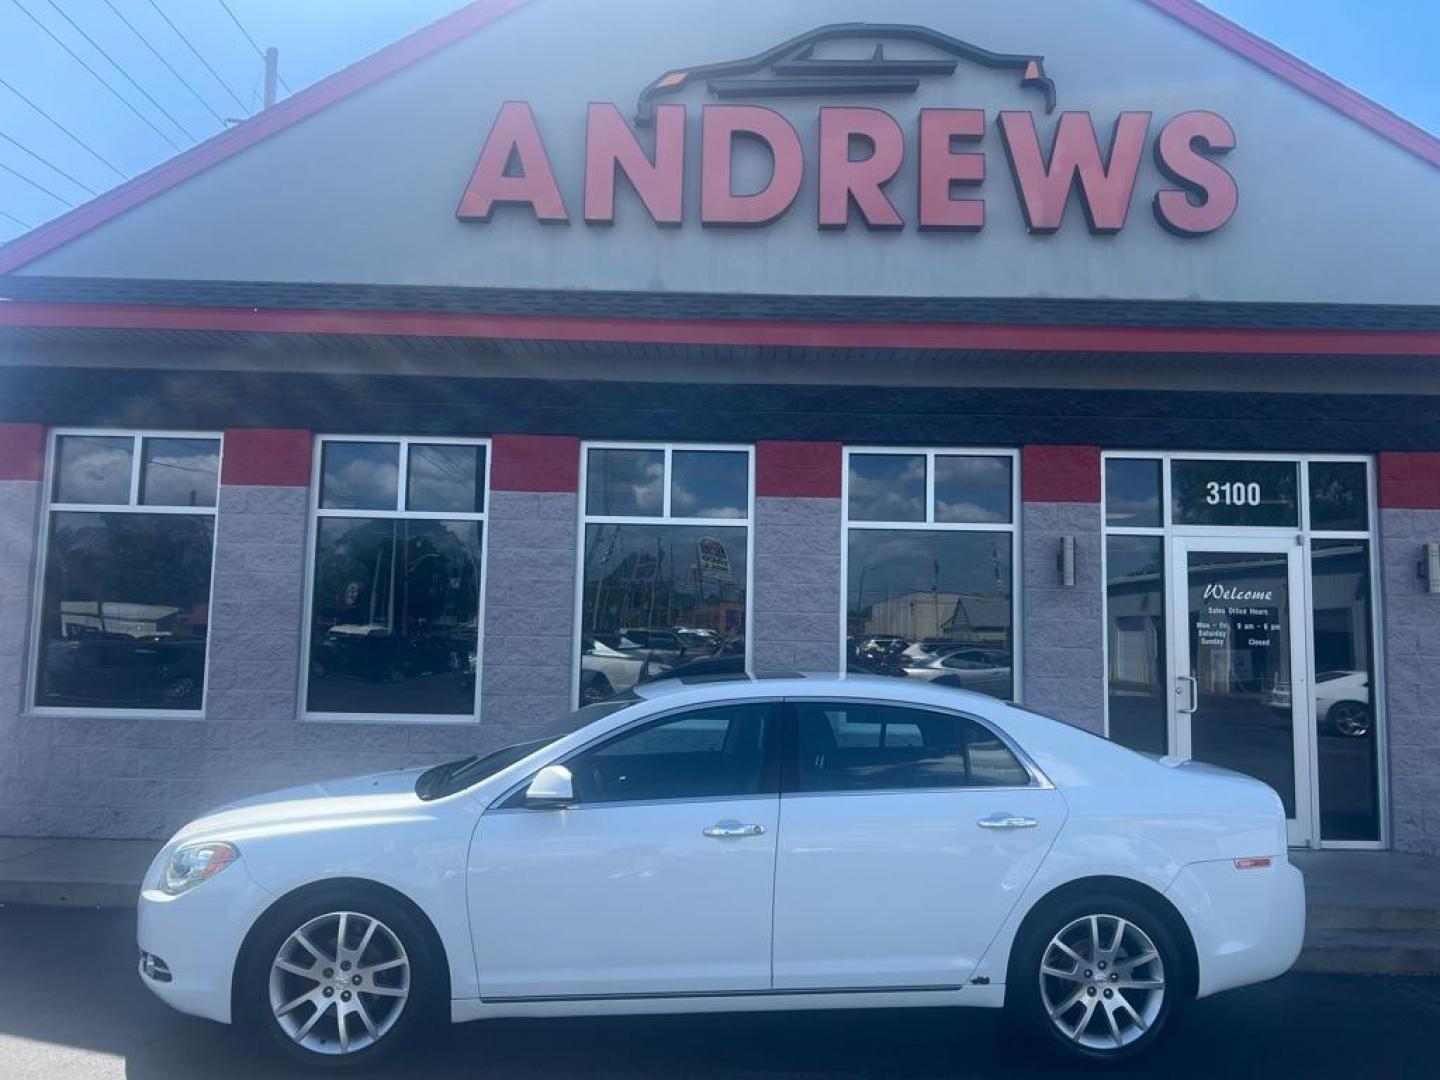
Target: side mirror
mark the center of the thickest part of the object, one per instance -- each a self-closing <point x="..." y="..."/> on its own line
<point x="551" y="787"/>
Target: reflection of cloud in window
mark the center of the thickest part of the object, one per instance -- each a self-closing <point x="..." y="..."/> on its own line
<point x="649" y="492"/>
<point x="975" y="489"/>
<point x="362" y="483"/>
<point x="685" y="503"/>
<point x="887" y="487"/>
<point x="443" y="478"/>
<point x="181" y="479"/>
<point x="966" y="511"/>
<point x="95" y="470"/>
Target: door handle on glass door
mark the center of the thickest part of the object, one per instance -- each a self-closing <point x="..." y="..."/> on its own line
<point x="1194" y="687"/>
<point x="1007" y="821"/>
<point x="724" y="830"/>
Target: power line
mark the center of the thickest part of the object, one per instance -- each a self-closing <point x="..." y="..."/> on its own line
<point x="98" y="77"/>
<point x="253" y="43"/>
<point x="36" y="186"/>
<point x="181" y="35"/>
<point x="113" y="63"/>
<point x="48" y="164"/>
<point x="161" y="57"/>
<point x="73" y="137"/>
<point x="12" y="217"/>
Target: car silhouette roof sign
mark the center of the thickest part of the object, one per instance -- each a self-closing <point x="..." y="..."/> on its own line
<point x="792" y="69"/>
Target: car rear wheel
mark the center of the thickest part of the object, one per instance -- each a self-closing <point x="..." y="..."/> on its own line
<point x="1099" y="976"/>
<point x="1350" y="718"/>
<point x="339" y="978"/>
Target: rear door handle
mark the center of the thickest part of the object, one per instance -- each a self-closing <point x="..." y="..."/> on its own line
<point x="1007" y="821"/>
<point x="727" y="829"/>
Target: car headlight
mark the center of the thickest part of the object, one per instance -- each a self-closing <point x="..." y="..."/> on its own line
<point x="194" y="863"/>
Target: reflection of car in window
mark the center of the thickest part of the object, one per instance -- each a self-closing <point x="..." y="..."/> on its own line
<point x="613" y="665"/>
<point x="152" y="671"/>
<point x="1342" y="702"/>
<point x="985" y="670"/>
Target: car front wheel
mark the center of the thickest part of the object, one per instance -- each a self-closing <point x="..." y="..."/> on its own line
<point x="339" y="979"/>
<point x="1100" y="977"/>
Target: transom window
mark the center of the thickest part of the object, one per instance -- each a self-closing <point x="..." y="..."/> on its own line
<point x="129" y="548"/>
<point x="929" y="569"/>
<point x="665" y="563"/>
<point x="397" y="573"/>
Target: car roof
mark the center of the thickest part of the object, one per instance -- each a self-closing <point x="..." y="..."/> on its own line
<point x="728" y="687"/>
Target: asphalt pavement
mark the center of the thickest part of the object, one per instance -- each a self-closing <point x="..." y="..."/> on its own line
<point x="71" y="1005"/>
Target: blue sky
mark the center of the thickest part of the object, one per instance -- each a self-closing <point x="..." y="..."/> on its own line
<point x="1383" y="48"/>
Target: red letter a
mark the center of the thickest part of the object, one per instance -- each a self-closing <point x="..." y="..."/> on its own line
<point x="531" y="182"/>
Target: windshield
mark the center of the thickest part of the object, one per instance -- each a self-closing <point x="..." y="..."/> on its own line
<point x="455" y="776"/>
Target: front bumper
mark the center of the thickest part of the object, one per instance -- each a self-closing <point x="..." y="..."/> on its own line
<point x="196" y="937"/>
<point x="1248" y="925"/>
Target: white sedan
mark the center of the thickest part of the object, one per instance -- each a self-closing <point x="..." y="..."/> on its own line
<point x="795" y="843"/>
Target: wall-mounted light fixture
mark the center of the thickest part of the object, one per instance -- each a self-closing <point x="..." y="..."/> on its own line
<point x="1429" y="567"/>
<point x="1066" y="561"/>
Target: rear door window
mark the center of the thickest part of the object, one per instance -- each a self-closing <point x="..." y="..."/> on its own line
<point x="871" y="746"/>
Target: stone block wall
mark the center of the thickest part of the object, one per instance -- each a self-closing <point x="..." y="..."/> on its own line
<point x="1409" y="519"/>
<point x="795" y="595"/>
<point x="1063" y="626"/>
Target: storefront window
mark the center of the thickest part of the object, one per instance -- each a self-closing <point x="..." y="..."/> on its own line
<point x="1346" y="738"/>
<point x="395" y="597"/>
<point x="665" y="567"/>
<point x="929" y="579"/>
<point x="1135" y="641"/>
<point x="1133" y="493"/>
<point x="129" y="545"/>
<point x="1218" y="678"/>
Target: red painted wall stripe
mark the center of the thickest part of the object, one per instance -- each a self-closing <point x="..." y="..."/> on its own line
<point x="1408" y="481"/>
<point x="424" y="42"/>
<point x="1060" y="474"/>
<point x="267" y="457"/>
<point x="535" y="463"/>
<point x="22" y="452"/>
<point x="798" y="470"/>
<point x="1133" y="339"/>
<point x="1303" y="77"/>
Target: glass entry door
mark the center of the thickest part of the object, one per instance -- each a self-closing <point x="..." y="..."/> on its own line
<point x="1239" y="698"/>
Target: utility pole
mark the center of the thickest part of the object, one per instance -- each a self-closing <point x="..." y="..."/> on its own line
<point x="272" y="74"/>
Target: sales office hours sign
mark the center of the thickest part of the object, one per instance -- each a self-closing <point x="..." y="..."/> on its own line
<point x="861" y="149"/>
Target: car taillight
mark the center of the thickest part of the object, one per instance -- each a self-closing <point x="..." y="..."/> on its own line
<point x="1255" y="863"/>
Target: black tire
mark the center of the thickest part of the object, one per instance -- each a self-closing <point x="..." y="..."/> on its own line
<point x="424" y="1006"/>
<point x="595" y="689"/>
<point x="1349" y="718"/>
<point x="1026" y="988"/>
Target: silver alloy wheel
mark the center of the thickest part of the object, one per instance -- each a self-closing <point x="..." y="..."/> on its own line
<point x="1102" y="982"/>
<point x="1350" y="718"/>
<point x="339" y="983"/>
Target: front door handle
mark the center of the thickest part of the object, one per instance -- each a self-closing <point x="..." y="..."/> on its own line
<point x="727" y="829"/>
<point x="1007" y="821"/>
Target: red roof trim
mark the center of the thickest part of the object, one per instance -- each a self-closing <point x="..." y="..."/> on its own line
<point x="1303" y="77"/>
<point x="733" y="332"/>
<point x="344" y="83"/>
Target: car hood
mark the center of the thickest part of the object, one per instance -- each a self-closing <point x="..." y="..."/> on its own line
<point x="354" y="799"/>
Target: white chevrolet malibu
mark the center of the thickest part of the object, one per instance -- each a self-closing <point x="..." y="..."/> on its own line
<point x="748" y="844"/>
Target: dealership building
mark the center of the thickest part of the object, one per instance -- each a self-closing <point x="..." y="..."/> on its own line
<point x="1086" y="355"/>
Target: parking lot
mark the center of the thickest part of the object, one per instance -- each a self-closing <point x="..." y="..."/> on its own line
<point x="71" y="1005"/>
